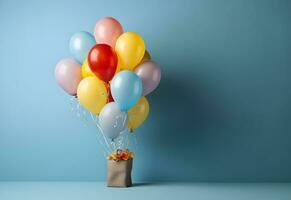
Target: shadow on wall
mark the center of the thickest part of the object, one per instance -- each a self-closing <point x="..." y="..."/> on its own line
<point x="187" y="115"/>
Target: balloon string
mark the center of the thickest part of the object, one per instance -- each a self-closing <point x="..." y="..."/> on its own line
<point x="123" y="134"/>
<point x="103" y="147"/>
<point x="123" y="141"/>
<point x="82" y="113"/>
<point x="135" y="141"/>
<point x="125" y="119"/>
<point x="113" y="144"/>
<point x="108" y="147"/>
<point x="102" y="133"/>
<point x="101" y="141"/>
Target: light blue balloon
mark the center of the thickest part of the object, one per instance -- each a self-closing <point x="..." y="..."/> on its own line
<point x="80" y="45"/>
<point x="112" y="120"/>
<point x="126" y="89"/>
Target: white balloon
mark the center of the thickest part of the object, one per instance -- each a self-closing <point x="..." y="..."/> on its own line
<point x="112" y="120"/>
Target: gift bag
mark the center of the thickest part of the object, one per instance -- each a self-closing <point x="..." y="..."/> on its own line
<point x="119" y="173"/>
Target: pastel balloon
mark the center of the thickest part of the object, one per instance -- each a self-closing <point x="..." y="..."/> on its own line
<point x="80" y="44"/>
<point x="107" y="30"/>
<point x="86" y="71"/>
<point x="112" y="120"/>
<point x="130" y="48"/>
<point x="92" y="94"/>
<point x="150" y="74"/>
<point x="68" y="75"/>
<point x="126" y="89"/>
<point x="102" y="61"/>
<point x="138" y="114"/>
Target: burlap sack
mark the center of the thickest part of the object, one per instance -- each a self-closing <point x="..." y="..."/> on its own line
<point x="119" y="173"/>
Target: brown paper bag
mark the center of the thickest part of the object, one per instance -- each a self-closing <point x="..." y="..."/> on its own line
<point x="119" y="173"/>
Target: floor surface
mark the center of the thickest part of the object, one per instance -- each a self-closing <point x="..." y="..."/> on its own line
<point x="147" y="191"/>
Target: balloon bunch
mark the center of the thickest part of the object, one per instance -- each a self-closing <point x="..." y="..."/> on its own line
<point x="111" y="74"/>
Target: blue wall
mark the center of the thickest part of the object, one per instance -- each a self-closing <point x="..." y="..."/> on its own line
<point x="221" y="113"/>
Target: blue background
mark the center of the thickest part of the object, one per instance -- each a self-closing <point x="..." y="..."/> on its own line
<point x="221" y="113"/>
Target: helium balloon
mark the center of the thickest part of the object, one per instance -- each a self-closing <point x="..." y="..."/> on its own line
<point x="150" y="74"/>
<point x="92" y="94"/>
<point x="102" y="61"/>
<point x="126" y="89"/>
<point x="130" y="48"/>
<point x="112" y="120"/>
<point x="107" y="30"/>
<point x="138" y="114"/>
<point x="80" y="44"/>
<point x="68" y="75"/>
<point x="86" y="71"/>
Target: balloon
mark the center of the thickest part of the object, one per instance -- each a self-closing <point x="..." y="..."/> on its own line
<point x="138" y="114"/>
<point x="126" y="89"/>
<point x="130" y="49"/>
<point x="112" y="120"/>
<point x="107" y="30"/>
<point x="86" y="71"/>
<point x="80" y="44"/>
<point x="102" y="61"/>
<point x="150" y="74"/>
<point x="68" y="75"/>
<point x="92" y="94"/>
<point x="146" y="57"/>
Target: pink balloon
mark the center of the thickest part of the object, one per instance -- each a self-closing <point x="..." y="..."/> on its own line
<point x="68" y="75"/>
<point x="150" y="74"/>
<point x="107" y="30"/>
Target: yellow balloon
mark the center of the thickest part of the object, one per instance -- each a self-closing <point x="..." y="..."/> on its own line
<point x="86" y="71"/>
<point x="130" y="49"/>
<point x="138" y="114"/>
<point x="92" y="94"/>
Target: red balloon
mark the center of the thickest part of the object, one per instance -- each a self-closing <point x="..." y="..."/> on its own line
<point x="102" y="61"/>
